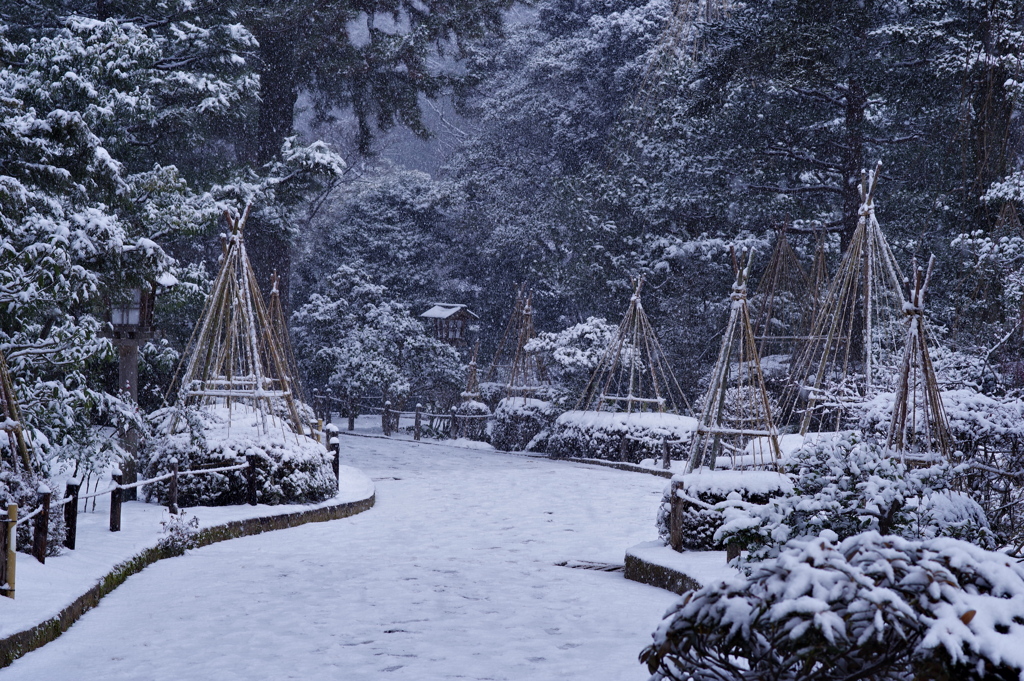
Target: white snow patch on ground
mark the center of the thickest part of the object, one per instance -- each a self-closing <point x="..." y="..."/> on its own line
<point x="451" y="575"/>
<point x="42" y="591"/>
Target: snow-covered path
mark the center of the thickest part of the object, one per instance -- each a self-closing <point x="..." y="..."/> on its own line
<point x="451" y="575"/>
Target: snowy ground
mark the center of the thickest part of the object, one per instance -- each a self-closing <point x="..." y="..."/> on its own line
<point x="44" y="590"/>
<point x="451" y="575"/>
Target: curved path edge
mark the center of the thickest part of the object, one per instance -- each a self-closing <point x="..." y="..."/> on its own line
<point x="16" y="645"/>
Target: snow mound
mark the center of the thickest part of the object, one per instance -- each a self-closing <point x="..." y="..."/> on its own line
<point x="291" y="468"/>
<point x="599" y="435"/>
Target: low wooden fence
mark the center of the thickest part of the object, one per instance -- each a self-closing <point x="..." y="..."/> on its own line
<point x="41" y="515"/>
<point x="451" y="423"/>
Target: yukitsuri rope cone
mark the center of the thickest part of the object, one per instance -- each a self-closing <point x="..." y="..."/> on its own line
<point x="858" y="321"/>
<point x="784" y="300"/>
<point x="523" y="372"/>
<point x="501" y="366"/>
<point x="12" y="424"/>
<point x="235" y="355"/>
<point x="280" y="327"/>
<point x="633" y="373"/>
<point x="736" y="410"/>
<point x="919" y="428"/>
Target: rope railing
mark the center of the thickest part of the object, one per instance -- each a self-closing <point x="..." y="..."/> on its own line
<point x="70" y="503"/>
<point x="30" y="516"/>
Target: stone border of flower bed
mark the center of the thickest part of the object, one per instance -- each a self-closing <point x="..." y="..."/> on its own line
<point x="619" y="465"/>
<point x="656" y="564"/>
<point x="652" y="574"/>
<point x="16" y="645"/>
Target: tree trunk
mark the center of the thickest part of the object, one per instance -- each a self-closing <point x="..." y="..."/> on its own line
<point x="853" y="158"/>
<point x="278" y="92"/>
<point x="269" y="250"/>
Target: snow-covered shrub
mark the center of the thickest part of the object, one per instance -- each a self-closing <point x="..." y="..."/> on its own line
<point x="700" y="496"/>
<point x="598" y="435"/>
<point x="290" y="468"/>
<point x="987" y="435"/>
<point x="180" y="533"/>
<point x="976" y="421"/>
<point x="23" y="489"/>
<point x="522" y="423"/>
<point x="848" y="485"/>
<point x="475" y="427"/>
<point x="867" y="607"/>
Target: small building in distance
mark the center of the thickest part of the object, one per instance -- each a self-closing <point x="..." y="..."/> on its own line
<point x="452" y="323"/>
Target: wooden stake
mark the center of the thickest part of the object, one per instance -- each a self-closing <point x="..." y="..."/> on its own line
<point x="41" y="525"/>
<point x="115" y="502"/>
<point x="71" y="513"/>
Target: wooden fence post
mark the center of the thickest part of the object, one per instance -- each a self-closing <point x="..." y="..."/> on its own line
<point x="418" y="427"/>
<point x="385" y="421"/>
<point x="41" y="524"/>
<point x="666" y="457"/>
<point x="172" y="493"/>
<point x="71" y="513"/>
<point x="9" y="546"/>
<point x="351" y="415"/>
<point x="453" y="428"/>
<point x="115" y="501"/>
<point x="250" y="479"/>
<point x="622" y="447"/>
<point x="334" y="445"/>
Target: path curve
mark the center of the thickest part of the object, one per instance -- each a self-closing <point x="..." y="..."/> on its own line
<point x="451" y="575"/>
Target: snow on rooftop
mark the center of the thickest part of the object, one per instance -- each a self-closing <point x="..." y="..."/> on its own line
<point x="445" y="310"/>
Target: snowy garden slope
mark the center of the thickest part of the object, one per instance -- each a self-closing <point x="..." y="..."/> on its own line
<point x="451" y="575"/>
<point x="44" y="590"/>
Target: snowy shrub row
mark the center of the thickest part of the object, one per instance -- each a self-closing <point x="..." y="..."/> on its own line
<point x="974" y="418"/>
<point x="848" y="485"/>
<point x="700" y="496"/>
<point x="598" y="435"/>
<point x="290" y="468"/>
<point x="866" y="607"/>
<point x="522" y="423"/>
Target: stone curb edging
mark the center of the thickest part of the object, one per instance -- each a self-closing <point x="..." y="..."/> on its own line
<point x="620" y="466"/>
<point x="660" y="576"/>
<point x="22" y="642"/>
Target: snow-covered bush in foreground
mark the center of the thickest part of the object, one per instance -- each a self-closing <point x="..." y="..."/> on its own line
<point x="598" y="435"/>
<point x="867" y="607"/>
<point x="290" y="468"/>
<point x="522" y="423"/>
<point x="701" y="495"/>
<point x="848" y="485"/>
